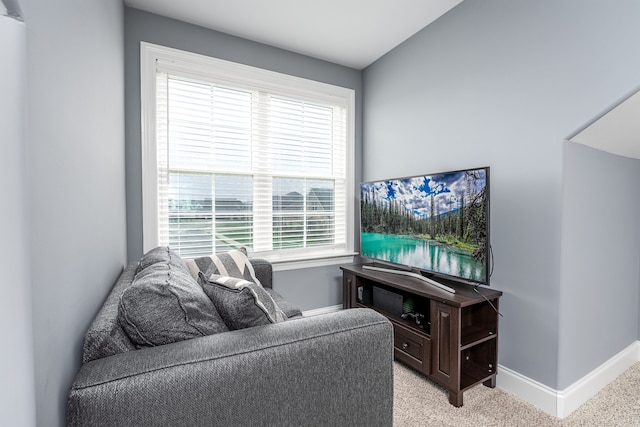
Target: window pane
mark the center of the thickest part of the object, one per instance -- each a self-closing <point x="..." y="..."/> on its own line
<point x="190" y="213"/>
<point x="192" y="228"/>
<point x="288" y="213"/>
<point x="301" y="135"/>
<point x="231" y="129"/>
<point x="303" y="213"/>
<point x="233" y="212"/>
<point x="321" y="213"/>
<point x="189" y="122"/>
<point x="209" y="127"/>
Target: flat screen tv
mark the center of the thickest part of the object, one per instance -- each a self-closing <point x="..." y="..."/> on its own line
<point x="433" y="225"/>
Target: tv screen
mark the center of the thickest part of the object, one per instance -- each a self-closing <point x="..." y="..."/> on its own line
<point x="435" y="223"/>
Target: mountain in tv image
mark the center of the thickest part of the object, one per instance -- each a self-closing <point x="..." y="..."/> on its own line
<point x="434" y="222"/>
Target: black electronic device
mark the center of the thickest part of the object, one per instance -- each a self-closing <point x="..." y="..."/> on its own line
<point x="364" y="295"/>
<point x="388" y="301"/>
<point x="418" y="317"/>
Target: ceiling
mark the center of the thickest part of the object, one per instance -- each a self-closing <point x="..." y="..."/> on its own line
<point x="353" y="33"/>
<point x="617" y="131"/>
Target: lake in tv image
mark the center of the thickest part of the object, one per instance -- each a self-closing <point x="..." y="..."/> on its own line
<point x="424" y="254"/>
<point x="433" y="222"/>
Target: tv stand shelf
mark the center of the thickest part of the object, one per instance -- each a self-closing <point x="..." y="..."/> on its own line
<point x="453" y="340"/>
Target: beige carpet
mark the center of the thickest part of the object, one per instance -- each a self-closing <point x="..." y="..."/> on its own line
<point x="419" y="402"/>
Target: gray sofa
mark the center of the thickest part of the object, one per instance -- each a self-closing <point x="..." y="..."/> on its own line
<point x="330" y="370"/>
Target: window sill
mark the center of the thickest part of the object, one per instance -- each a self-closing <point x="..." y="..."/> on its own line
<point x="294" y="264"/>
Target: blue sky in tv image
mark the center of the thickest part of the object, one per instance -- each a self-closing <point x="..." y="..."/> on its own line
<point x="435" y="222"/>
<point x="414" y="192"/>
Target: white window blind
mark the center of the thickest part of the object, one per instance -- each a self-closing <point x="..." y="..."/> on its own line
<point x="245" y="158"/>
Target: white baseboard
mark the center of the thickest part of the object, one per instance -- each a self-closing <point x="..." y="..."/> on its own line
<point x="561" y="403"/>
<point x="572" y="397"/>
<point x="538" y="394"/>
<point x="322" y="310"/>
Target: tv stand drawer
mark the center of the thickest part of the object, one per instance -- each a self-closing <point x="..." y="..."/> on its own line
<point x="411" y="348"/>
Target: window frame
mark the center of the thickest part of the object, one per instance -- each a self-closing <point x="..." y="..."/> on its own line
<point x="195" y="65"/>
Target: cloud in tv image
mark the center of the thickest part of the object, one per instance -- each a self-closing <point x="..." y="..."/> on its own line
<point x="433" y="222"/>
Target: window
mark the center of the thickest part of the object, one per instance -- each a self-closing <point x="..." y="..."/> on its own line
<point x="237" y="156"/>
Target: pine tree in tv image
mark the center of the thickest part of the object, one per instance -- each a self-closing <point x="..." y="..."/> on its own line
<point x="436" y="223"/>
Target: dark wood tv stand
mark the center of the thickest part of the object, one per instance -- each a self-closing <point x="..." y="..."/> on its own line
<point x="456" y="344"/>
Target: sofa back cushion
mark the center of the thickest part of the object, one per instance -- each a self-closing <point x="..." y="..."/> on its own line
<point x="105" y="337"/>
<point x="164" y="304"/>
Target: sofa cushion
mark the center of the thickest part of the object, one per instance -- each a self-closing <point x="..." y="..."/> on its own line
<point x="161" y="254"/>
<point x="164" y="304"/>
<point x="241" y="303"/>
<point x="234" y="263"/>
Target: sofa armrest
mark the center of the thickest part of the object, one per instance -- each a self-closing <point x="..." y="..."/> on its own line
<point x="264" y="271"/>
<point x="334" y="369"/>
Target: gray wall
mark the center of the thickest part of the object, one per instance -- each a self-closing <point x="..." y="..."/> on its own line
<point x="17" y="399"/>
<point x="76" y="190"/>
<point x="600" y="269"/>
<point x="309" y="289"/>
<point x="503" y="83"/>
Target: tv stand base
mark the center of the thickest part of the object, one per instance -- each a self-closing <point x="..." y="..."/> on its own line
<point x="455" y="344"/>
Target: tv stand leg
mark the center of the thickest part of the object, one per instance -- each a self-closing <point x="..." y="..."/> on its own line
<point x="491" y="383"/>
<point x="455" y="398"/>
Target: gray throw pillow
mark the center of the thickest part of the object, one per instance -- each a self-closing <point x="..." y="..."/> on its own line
<point x="241" y="303"/>
<point x="234" y="263"/>
<point x="164" y="304"/>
